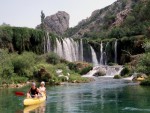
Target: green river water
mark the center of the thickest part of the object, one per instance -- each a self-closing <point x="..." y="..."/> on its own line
<point x="104" y="95"/>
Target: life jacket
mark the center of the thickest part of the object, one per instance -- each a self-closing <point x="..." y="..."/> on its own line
<point x="33" y="91"/>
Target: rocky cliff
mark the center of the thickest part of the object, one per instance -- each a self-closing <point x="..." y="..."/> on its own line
<point x="104" y="19"/>
<point x="57" y="23"/>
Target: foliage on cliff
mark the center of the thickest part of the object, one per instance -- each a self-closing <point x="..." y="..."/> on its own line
<point x="143" y="65"/>
<point x="122" y="18"/>
<point x="21" y="39"/>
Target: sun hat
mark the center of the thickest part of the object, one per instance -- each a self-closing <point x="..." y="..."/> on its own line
<point x="33" y="84"/>
<point x="43" y="82"/>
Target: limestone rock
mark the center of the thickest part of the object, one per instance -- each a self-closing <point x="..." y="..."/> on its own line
<point x="117" y="11"/>
<point x="57" y="23"/>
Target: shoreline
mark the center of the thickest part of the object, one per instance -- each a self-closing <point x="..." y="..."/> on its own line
<point x="20" y="85"/>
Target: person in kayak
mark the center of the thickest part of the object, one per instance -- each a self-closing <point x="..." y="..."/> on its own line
<point x="42" y="88"/>
<point x="33" y="92"/>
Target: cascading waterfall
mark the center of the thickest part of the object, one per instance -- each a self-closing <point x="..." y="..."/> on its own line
<point x="101" y="54"/>
<point x="116" y="42"/>
<point x="48" y="43"/>
<point x="81" y="50"/>
<point x="72" y="50"/>
<point x="94" y="57"/>
<point x="59" y="49"/>
<point x="76" y="47"/>
<point x="105" y="53"/>
<point x="69" y="49"/>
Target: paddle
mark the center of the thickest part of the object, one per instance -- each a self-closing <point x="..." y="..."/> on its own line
<point x="17" y="93"/>
<point x="22" y="94"/>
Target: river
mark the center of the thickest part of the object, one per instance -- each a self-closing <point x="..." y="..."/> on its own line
<point x="104" y="95"/>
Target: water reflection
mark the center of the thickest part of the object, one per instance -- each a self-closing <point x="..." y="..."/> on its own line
<point x="102" y="96"/>
<point x="39" y="108"/>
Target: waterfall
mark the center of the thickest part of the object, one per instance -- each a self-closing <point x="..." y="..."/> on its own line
<point x="59" y="49"/>
<point x="76" y="47"/>
<point x="67" y="50"/>
<point x="48" y="43"/>
<point x="111" y="71"/>
<point x="101" y="52"/>
<point x="105" y="53"/>
<point x="72" y="50"/>
<point x="116" y="42"/>
<point x="81" y="50"/>
<point x="94" y="57"/>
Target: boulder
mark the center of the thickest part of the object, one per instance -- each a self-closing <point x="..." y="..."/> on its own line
<point x="57" y="23"/>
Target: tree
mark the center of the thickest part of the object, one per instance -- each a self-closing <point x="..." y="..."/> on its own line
<point x="143" y="65"/>
<point x="42" y="20"/>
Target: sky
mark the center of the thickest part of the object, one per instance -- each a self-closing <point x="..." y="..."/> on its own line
<point x="26" y="13"/>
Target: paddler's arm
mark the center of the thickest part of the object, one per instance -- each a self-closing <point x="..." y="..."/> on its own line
<point x="28" y="94"/>
<point x="38" y="91"/>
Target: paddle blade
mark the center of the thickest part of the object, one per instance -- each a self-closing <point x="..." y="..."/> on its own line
<point x="19" y="94"/>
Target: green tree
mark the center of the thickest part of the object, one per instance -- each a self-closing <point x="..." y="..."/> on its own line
<point x="42" y="20"/>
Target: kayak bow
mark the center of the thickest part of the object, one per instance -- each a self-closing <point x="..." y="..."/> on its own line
<point x="34" y="101"/>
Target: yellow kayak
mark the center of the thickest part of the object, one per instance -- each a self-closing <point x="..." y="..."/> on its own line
<point x="140" y="78"/>
<point x="34" y="101"/>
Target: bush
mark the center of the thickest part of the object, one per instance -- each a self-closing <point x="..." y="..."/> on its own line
<point x="72" y="66"/>
<point x="125" y="71"/>
<point x="23" y="64"/>
<point x="85" y="70"/>
<point x="117" y="77"/>
<point x="7" y="69"/>
<point x="143" y="65"/>
<point x="145" y="82"/>
<point x="147" y="46"/>
<point x="17" y="79"/>
<point x="44" y="72"/>
<point x="46" y="77"/>
<point x="52" y="58"/>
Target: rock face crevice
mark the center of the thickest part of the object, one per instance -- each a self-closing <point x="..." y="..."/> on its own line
<point x="57" y="23"/>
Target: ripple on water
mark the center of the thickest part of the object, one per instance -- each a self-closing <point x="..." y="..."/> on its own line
<point x="135" y="109"/>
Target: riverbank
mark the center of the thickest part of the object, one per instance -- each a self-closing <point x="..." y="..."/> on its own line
<point x="17" y="69"/>
<point x="20" y="85"/>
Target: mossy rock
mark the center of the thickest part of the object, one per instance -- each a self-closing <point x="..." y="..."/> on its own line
<point x="117" y="77"/>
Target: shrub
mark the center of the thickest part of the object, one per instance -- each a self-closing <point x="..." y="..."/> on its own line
<point x="143" y="65"/>
<point x="117" y="77"/>
<point x="85" y="70"/>
<point x="147" y="46"/>
<point x="145" y="82"/>
<point x="125" y="71"/>
<point x="72" y="66"/>
<point x="46" y="77"/>
<point x="18" y="79"/>
<point x="7" y="69"/>
<point x="52" y="58"/>
<point x="23" y="64"/>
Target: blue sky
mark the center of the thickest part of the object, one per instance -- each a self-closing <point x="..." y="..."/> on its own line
<point x="26" y="13"/>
